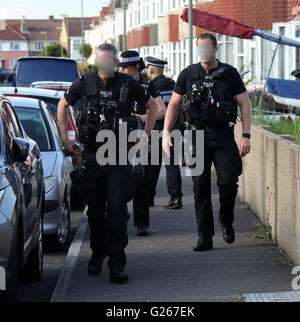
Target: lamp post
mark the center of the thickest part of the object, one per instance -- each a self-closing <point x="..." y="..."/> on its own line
<point x="82" y="37"/>
<point x="46" y="40"/>
<point x="191" y="18"/>
<point x="124" y="25"/>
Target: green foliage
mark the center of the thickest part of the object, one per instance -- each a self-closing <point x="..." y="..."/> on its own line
<point x="54" y="50"/>
<point x="279" y="126"/>
<point x="86" y="50"/>
<point x="83" y="67"/>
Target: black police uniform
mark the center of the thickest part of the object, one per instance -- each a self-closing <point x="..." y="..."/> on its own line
<point x="212" y="98"/>
<point x="106" y="189"/>
<point x="173" y="175"/>
<point x="141" y="195"/>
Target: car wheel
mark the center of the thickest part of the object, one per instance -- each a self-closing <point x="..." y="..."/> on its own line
<point x="12" y="276"/>
<point x="33" y="269"/>
<point x="60" y="240"/>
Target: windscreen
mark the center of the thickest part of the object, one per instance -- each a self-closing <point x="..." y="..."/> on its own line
<point x="33" y="70"/>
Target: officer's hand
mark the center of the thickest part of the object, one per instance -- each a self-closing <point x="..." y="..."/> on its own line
<point x="244" y="147"/>
<point x="167" y="142"/>
<point x="72" y="147"/>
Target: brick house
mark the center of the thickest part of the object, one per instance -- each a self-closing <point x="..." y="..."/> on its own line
<point x="70" y="35"/>
<point x="154" y="28"/>
<point x="27" y="37"/>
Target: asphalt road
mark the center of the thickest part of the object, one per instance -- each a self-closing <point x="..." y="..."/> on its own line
<point x="53" y="263"/>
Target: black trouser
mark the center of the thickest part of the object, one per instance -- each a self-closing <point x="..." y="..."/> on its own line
<point x="141" y="200"/>
<point x="173" y="174"/>
<point x="106" y="191"/>
<point x="173" y="178"/>
<point x="221" y="149"/>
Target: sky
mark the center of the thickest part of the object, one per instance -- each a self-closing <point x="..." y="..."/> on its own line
<point x="42" y="9"/>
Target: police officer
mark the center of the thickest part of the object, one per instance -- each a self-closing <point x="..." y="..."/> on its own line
<point x="132" y="64"/>
<point x="213" y="90"/>
<point x="107" y="97"/>
<point x="155" y="73"/>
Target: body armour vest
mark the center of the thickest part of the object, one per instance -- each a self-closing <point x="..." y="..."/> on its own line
<point x="208" y="99"/>
<point x="102" y="108"/>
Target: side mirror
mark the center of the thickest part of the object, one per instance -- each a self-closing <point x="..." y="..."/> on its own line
<point x="20" y="150"/>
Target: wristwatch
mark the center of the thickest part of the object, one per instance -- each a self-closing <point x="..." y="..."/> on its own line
<point x="246" y="135"/>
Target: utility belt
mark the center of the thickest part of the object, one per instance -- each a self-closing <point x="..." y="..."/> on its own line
<point x="218" y="113"/>
<point x="211" y="127"/>
<point x="89" y="130"/>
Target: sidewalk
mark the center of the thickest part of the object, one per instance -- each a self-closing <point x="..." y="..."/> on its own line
<point x="163" y="266"/>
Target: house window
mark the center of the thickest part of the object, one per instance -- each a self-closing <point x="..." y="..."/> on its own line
<point x="14" y="46"/>
<point x="12" y="64"/>
<point x="76" y="44"/>
<point x="39" y="46"/>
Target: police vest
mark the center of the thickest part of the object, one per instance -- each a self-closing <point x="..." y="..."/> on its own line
<point x="165" y="86"/>
<point x="102" y="109"/>
<point x="208" y="98"/>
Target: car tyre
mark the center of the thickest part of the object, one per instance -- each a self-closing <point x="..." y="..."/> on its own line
<point x="33" y="268"/>
<point x="12" y="276"/>
<point x="60" y="240"/>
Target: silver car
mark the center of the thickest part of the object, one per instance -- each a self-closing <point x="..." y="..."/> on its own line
<point x="52" y="98"/>
<point x="39" y="123"/>
<point x="21" y="204"/>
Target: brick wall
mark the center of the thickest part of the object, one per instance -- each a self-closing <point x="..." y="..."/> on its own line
<point x="139" y="37"/>
<point x="271" y="185"/>
<point x="12" y="55"/>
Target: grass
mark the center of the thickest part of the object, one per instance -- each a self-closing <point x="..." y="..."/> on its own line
<point x="264" y="232"/>
<point x="279" y="126"/>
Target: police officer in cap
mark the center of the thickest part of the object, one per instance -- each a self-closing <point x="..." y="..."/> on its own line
<point x="132" y="64"/>
<point x="107" y="97"/>
<point x="155" y="73"/>
<point x="213" y="90"/>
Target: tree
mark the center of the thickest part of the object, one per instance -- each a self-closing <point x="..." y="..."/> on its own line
<point x="86" y="51"/>
<point x="55" y="50"/>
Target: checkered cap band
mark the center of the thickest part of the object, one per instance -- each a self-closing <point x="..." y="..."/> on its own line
<point x="130" y="59"/>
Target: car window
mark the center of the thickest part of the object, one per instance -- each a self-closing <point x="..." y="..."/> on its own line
<point x="55" y="125"/>
<point x="33" y="70"/>
<point x="14" y="120"/>
<point x="8" y="129"/>
<point x="35" y="127"/>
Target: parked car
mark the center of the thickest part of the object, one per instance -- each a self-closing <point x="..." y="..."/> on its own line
<point x="35" y="69"/>
<point x="22" y="198"/>
<point x="39" y="124"/>
<point x="5" y="75"/>
<point x="57" y="86"/>
<point x="52" y="98"/>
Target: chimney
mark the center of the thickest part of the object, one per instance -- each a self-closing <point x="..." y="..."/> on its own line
<point x="23" y="25"/>
<point x="2" y="24"/>
<point x="51" y="17"/>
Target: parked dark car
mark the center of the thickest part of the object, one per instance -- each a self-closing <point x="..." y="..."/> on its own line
<point x="36" y="69"/>
<point x="21" y="203"/>
<point x="5" y="75"/>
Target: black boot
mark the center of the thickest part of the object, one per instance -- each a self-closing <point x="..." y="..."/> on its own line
<point x="228" y="233"/>
<point x="95" y="264"/>
<point x="203" y="244"/>
<point x="118" y="276"/>
<point x="174" y="204"/>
